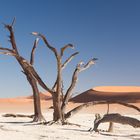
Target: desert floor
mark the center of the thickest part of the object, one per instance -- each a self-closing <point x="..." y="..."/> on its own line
<point x="21" y="128"/>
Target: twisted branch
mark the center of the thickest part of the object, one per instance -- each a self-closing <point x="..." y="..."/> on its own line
<point x="78" y="108"/>
<point x="46" y="42"/>
<point x="6" y="49"/>
<point x="79" y="68"/>
<point x="8" y="53"/>
<point x="63" y="67"/>
<point x="33" y="51"/>
<point x="69" y="59"/>
<point x="12" y="37"/>
<point x="66" y="47"/>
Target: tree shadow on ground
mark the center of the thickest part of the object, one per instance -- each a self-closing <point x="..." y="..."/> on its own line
<point x="13" y="122"/>
<point x="80" y="130"/>
<point x="132" y="136"/>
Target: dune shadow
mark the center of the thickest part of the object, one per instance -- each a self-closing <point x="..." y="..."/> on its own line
<point x="16" y="122"/>
<point x="80" y="130"/>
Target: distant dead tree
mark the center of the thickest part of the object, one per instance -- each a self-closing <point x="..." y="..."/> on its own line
<point x="27" y="69"/>
<point x="109" y="117"/>
<point x="114" y="118"/>
<point x="61" y="99"/>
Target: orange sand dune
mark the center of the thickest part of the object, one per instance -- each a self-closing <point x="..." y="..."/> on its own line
<point x="25" y="104"/>
<point x="117" y="88"/>
<point x="43" y="96"/>
<point x="21" y="105"/>
<point x="131" y="94"/>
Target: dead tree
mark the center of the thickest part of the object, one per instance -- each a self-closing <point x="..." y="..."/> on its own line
<point x="60" y="99"/>
<point x="27" y="69"/>
<point x="115" y="118"/>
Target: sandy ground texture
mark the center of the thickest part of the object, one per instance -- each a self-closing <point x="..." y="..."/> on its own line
<point x="21" y="129"/>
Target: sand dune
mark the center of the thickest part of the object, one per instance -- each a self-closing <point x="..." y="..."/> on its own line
<point x="43" y="96"/>
<point x="25" y="104"/>
<point x="130" y="94"/>
<point x="117" y="88"/>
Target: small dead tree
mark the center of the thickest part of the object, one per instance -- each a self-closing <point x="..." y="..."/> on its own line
<point x="60" y="99"/>
<point x="27" y="69"/>
<point x="115" y="118"/>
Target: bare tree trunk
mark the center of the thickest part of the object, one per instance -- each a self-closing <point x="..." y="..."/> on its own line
<point x="57" y="114"/>
<point x="36" y="99"/>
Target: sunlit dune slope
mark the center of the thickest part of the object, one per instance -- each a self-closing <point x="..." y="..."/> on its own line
<point x="118" y="88"/>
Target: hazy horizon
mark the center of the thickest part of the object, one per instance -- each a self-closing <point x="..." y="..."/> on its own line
<point x="107" y="30"/>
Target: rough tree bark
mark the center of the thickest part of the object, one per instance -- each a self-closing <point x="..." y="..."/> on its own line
<point x="38" y="117"/>
<point x="27" y="70"/>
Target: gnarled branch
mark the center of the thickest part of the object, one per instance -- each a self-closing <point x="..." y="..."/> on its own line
<point x="13" y="22"/>
<point x="33" y="51"/>
<point x="58" y="81"/>
<point x="46" y="42"/>
<point x="86" y="66"/>
<point x="78" y="69"/>
<point x="78" y="108"/>
<point x="6" y="49"/>
<point x="8" y="53"/>
<point x="12" y="36"/>
<point x="32" y="71"/>
<point x="65" y="47"/>
<point x="64" y="65"/>
<point x="69" y="59"/>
